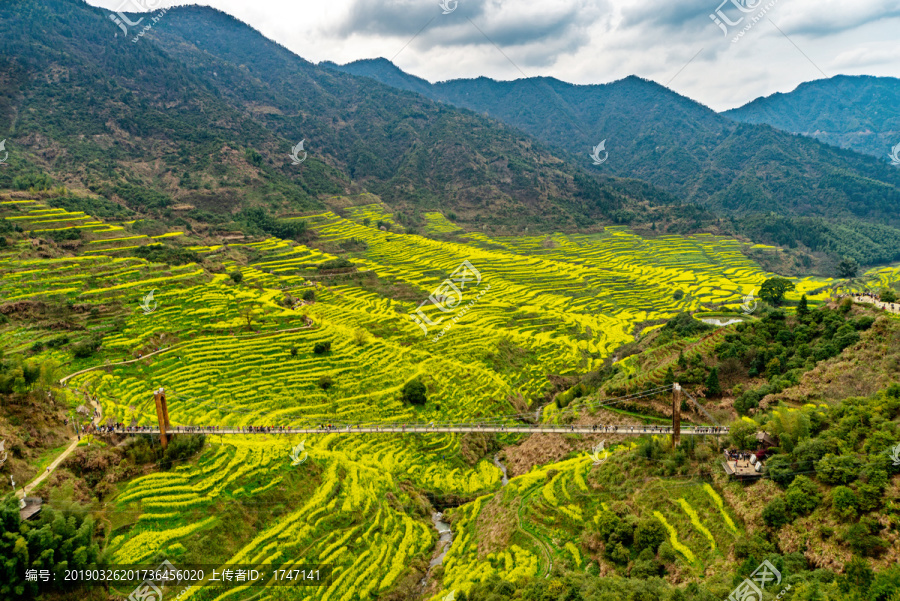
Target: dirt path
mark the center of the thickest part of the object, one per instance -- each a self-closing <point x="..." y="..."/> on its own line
<point x="95" y="420"/>
<point x="22" y="492"/>
<point x="870" y="300"/>
<point x="84" y="371"/>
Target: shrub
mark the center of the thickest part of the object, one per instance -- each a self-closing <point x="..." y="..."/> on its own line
<point x="414" y="393"/>
<point x="775" y="514"/>
<point x="780" y="469"/>
<point x="256" y="219"/>
<point x="683" y="325"/>
<point x="645" y="566"/>
<point x="649" y="534"/>
<point x="309" y="295"/>
<point x="236" y="276"/>
<point x="182" y="447"/>
<point x="802" y="496"/>
<point x="170" y="255"/>
<point x="863" y="323"/>
<point x="339" y="263"/>
<point x="86" y="348"/>
<point x="844" y="502"/>
<point x="837" y="469"/>
<point x="360" y="337"/>
<point x="293" y="351"/>
<point x="325" y="382"/>
<point x="667" y="553"/>
<point x="320" y="348"/>
<point x="862" y="539"/>
<point x="618" y="554"/>
<point x="38" y="181"/>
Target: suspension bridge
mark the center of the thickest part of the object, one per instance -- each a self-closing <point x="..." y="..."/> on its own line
<point x="494" y="425"/>
<point x="418" y="428"/>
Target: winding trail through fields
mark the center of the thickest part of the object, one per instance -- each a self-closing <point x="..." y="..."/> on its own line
<point x="84" y="371"/>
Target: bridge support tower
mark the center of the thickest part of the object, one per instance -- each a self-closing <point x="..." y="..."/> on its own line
<point x="162" y="415"/>
<point x="676" y="414"/>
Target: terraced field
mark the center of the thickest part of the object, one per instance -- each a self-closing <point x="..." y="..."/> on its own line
<point x="559" y="506"/>
<point x="239" y="354"/>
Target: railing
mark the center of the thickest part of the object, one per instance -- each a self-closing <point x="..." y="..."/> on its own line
<point x="423" y="429"/>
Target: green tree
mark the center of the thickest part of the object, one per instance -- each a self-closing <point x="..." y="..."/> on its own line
<point x="780" y="469"/>
<point x="414" y="392"/>
<point x="742" y="433"/>
<point x="669" y="378"/>
<point x="837" y="469"/>
<point x="774" y="289"/>
<point x="55" y="541"/>
<point x="848" y="268"/>
<point x="802" y="496"/>
<point x="844" y="502"/>
<point x="649" y="534"/>
<point x="236" y="276"/>
<point x="888" y="295"/>
<point x="713" y="388"/>
<point x="775" y="513"/>
<point x="857" y="578"/>
<point x="802" y="307"/>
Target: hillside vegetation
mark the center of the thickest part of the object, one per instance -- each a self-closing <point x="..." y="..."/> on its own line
<point x="860" y="113"/>
<point x="196" y="123"/>
<point x="266" y="331"/>
<point x="671" y="141"/>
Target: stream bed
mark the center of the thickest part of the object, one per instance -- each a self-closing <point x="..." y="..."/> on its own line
<point x="445" y="533"/>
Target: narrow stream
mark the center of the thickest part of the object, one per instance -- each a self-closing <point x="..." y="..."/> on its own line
<point x="445" y="539"/>
<point x="445" y="534"/>
<point x="502" y="467"/>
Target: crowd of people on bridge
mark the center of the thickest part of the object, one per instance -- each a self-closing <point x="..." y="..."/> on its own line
<point x="120" y="428"/>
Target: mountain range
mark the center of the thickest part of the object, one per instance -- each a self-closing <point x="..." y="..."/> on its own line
<point x="656" y="135"/>
<point x="203" y="111"/>
<point x="860" y="113"/>
<point x="194" y="122"/>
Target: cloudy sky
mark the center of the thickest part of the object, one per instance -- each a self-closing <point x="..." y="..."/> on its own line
<point x="782" y="43"/>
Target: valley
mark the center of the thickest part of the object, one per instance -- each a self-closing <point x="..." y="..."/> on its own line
<point x="431" y="352"/>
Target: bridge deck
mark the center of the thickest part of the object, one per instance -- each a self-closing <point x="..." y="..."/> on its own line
<point x="421" y="429"/>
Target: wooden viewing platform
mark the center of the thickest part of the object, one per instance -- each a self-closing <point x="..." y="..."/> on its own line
<point x="741" y="469"/>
